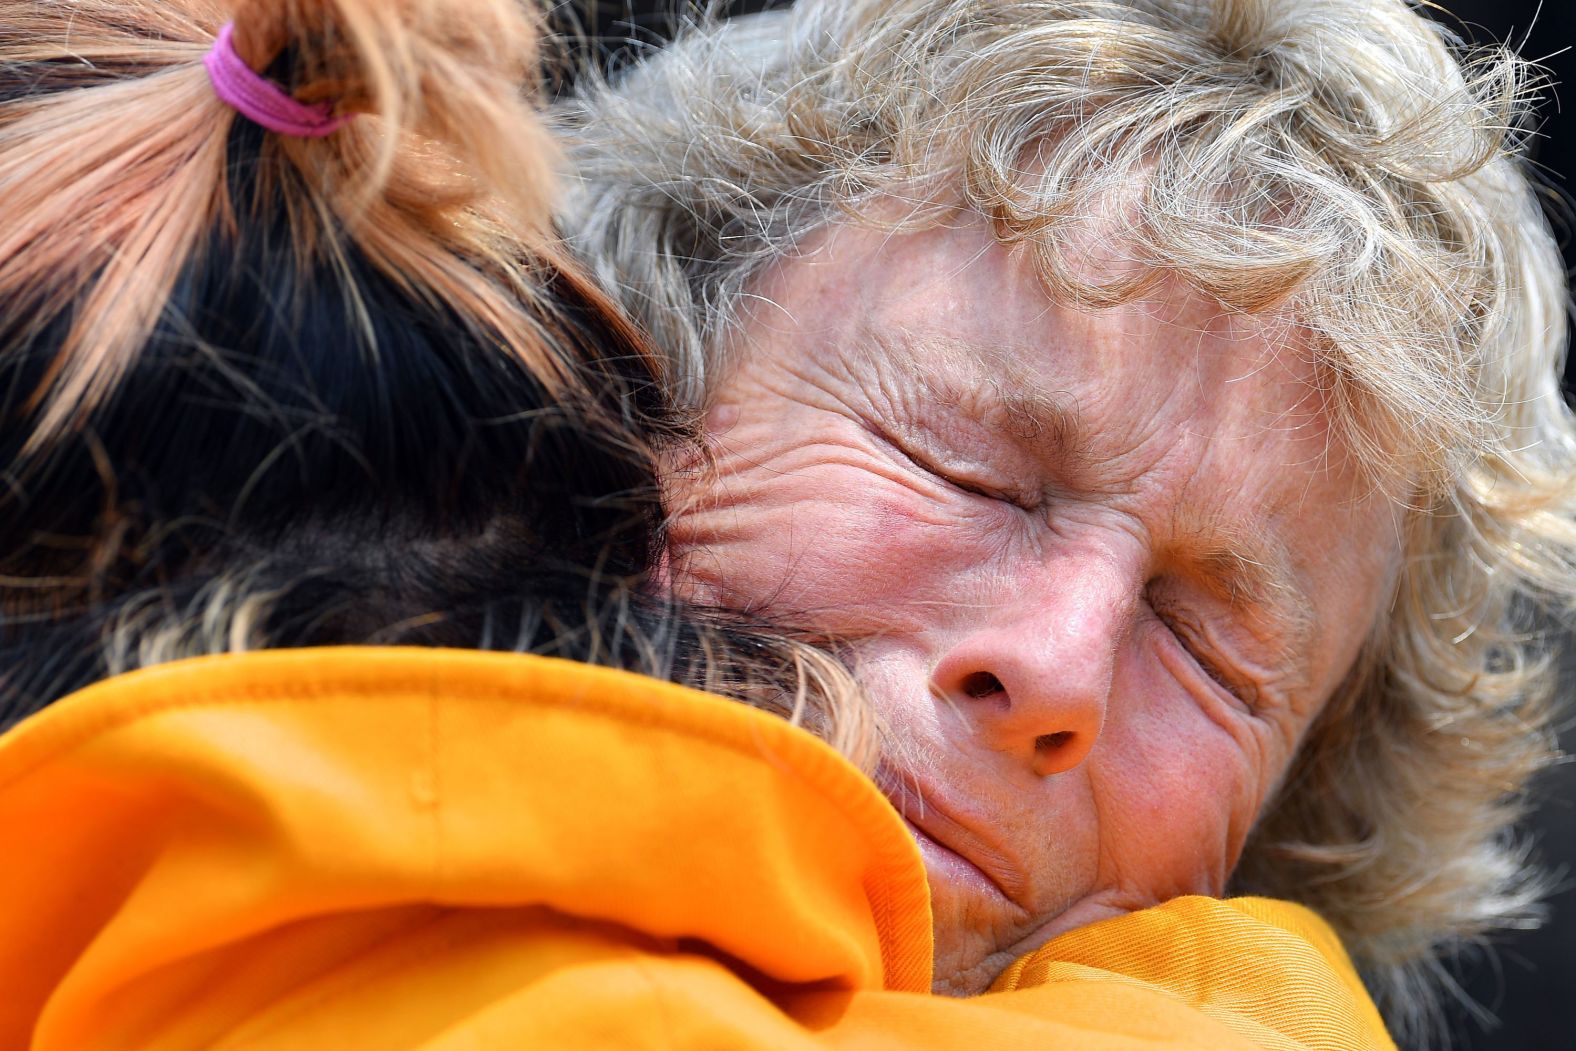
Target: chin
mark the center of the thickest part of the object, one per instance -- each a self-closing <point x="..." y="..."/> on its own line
<point x="966" y="970"/>
<point x="975" y="938"/>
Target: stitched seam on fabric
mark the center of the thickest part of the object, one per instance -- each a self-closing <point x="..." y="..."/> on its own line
<point x="435" y="804"/>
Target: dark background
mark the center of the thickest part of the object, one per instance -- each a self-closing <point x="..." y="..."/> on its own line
<point x="1527" y="980"/>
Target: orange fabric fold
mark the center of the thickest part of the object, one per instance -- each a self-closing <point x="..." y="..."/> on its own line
<point x="427" y="849"/>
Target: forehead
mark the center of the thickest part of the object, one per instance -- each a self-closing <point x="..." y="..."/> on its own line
<point x="951" y="314"/>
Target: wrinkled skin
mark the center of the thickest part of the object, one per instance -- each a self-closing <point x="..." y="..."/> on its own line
<point x="1098" y="570"/>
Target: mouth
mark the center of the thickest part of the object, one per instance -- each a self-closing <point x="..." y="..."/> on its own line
<point x="948" y="846"/>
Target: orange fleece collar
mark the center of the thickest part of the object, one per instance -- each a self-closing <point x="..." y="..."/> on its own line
<point x="162" y="812"/>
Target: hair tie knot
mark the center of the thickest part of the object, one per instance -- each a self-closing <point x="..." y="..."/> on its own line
<point x="260" y="100"/>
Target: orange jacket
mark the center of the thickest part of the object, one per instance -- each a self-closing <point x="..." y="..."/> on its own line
<point x="382" y="848"/>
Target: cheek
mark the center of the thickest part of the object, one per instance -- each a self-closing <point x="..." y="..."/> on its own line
<point x="1175" y="785"/>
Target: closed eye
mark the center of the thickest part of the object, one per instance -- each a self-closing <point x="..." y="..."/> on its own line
<point x="971" y="486"/>
<point x="1188" y="638"/>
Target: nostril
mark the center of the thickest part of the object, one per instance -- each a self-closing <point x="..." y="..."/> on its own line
<point x="981" y="684"/>
<point x="1046" y="744"/>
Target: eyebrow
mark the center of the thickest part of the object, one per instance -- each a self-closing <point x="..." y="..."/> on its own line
<point x="1043" y="424"/>
<point x="1249" y="568"/>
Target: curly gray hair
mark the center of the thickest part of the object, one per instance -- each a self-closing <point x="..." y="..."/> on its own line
<point x="1334" y="159"/>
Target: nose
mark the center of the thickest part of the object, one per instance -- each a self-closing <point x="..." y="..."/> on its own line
<point x="1034" y="677"/>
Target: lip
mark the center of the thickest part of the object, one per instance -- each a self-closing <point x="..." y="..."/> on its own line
<point x="949" y="844"/>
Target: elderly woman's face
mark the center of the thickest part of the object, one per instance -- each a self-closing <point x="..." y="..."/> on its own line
<point x="1098" y="571"/>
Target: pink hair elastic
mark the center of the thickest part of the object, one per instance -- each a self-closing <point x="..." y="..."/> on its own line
<point x="260" y="100"/>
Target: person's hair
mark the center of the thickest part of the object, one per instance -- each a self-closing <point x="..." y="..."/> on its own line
<point x="262" y="391"/>
<point x="1343" y="162"/>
